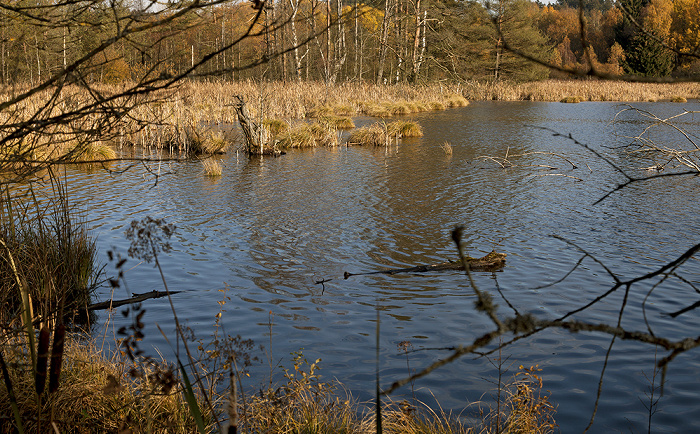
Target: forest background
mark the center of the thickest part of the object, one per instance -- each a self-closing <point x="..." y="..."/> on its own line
<point x="339" y="40"/>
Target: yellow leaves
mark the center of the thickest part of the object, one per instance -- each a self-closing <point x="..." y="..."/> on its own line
<point x="370" y="18"/>
<point x="685" y="28"/>
<point x="657" y="17"/>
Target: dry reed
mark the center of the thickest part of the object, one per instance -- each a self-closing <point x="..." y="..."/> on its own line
<point x="95" y="395"/>
<point x="446" y="148"/>
<point x="212" y="168"/>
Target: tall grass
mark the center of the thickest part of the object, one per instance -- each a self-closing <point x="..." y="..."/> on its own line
<point x="47" y="252"/>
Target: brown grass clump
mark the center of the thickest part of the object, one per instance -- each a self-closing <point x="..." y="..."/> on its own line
<point x="205" y="142"/>
<point x="382" y="134"/>
<point x="95" y="395"/>
<point x="456" y="100"/>
<point x="94" y="151"/>
<point x="526" y="407"/>
<point x="436" y="105"/>
<point x="373" y="135"/>
<point x="337" y="122"/>
<point x="305" y="135"/>
<point x="276" y="126"/>
<point x="399" y="109"/>
<point x="678" y="99"/>
<point x="376" y="110"/>
<point x="404" y="129"/>
<point x="404" y="418"/>
<point x="212" y="168"/>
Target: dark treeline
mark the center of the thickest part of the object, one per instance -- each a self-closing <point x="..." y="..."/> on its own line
<point x="339" y="40"/>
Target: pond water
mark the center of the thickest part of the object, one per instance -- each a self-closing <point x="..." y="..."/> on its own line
<point x="268" y="229"/>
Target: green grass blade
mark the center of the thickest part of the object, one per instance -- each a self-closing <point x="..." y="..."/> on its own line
<point x="188" y="391"/>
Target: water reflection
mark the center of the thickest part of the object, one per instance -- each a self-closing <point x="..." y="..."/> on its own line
<point x="268" y="229"/>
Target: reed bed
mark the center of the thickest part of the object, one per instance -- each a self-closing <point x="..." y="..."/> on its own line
<point x="307" y="135"/>
<point x="586" y="90"/>
<point x="189" y="118"/>
<point x="383" y="134"/>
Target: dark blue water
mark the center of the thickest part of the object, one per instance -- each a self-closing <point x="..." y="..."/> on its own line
<point x="265" y="231"/>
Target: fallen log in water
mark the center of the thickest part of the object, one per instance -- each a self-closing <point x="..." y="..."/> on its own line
<point x="494" y="261"/>
<point x="137" y="298"/>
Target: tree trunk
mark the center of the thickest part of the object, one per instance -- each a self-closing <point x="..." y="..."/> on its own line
<point x="341" y="52"/>
<point x="256" y="137"/>
<point x="384" y="40"/>
<point x="294" y="4"/>
<point x="416" y="44"/>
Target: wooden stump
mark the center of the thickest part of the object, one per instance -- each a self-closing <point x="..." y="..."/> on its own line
<point x="256" y="137"/>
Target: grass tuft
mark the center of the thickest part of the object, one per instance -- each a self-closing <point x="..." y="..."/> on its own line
<point x="446" y="148"/>
<point x="212" y="168"/>
<point x="305" y="135"/>
<point x="404" y="129"/>
<point x="373" y="135"/>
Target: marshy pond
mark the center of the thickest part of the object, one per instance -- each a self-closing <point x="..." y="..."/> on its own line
<point x="268" y="229"/>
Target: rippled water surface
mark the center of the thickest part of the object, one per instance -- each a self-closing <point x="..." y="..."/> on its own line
<point x="268" y="229"/>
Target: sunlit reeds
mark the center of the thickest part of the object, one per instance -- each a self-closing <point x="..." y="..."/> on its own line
<point x="212" y="168"/>
<point x="383" y="134"/>
<point x="308" y="135"/>
<point x="587" y="90"/>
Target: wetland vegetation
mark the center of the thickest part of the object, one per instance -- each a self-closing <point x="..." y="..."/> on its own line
<point x="119" y="85"/>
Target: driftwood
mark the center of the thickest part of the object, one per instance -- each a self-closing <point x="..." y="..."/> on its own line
<point x="135" y="299"/>
<point x="494" y="261"/>
<point x="256" y="137"/>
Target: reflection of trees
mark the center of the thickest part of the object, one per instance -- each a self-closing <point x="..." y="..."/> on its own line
<point x="632" y="298"/>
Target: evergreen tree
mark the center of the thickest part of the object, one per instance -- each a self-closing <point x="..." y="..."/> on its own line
<point x="644" y="54"/>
